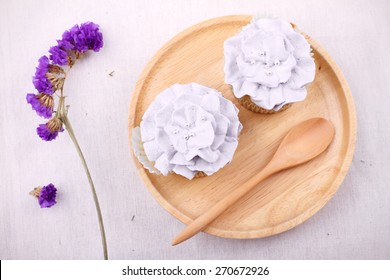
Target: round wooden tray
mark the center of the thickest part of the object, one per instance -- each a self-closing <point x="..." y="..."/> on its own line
<point x="281" y="202"/>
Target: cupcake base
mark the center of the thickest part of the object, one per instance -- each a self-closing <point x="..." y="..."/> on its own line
<point x="200" y="174"/>
<point x="248" y="104"/>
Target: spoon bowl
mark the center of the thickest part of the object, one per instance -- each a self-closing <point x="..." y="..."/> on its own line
<point x="302" y="143"/>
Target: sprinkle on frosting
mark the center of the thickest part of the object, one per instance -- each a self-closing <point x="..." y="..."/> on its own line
<point x="270" y="62"/>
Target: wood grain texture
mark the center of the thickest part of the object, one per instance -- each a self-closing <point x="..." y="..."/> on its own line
<point x="281" y="202"/>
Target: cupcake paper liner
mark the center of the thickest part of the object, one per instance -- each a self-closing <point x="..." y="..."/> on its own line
<point x="248" y="104"/>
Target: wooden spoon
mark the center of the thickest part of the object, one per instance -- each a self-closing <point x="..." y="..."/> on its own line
<point x="301" y="144"/>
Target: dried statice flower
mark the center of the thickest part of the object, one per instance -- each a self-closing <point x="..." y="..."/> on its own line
<point x="49" y="78"/>
<point x="49" y="131"/>
<point x="93" y="38"/>
<point x="46" y="195"/>
<point x="50" y="74"/>
<point x="40" y="80"/>
<point x="58" y="55"/>
<point x="83" y="38"/>
<point x="42" y="103"/>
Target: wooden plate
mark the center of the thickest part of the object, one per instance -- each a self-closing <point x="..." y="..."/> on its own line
<point x="282" y="201"/>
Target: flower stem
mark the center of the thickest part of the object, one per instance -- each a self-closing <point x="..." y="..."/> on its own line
<point x="69" y="128"/>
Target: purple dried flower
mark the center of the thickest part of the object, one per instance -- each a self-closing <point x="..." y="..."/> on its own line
<point x="41" y="103"/>
<point x="68" y="41"/>
<point x="50" y="78"/>
<point x="58" y="54"/>
<point x="49" y="131"/>
<point x="65" y="44"/>
<point x="83" y="38"/>
<point x="93" y="37"/>
<point x="47" y="196"/>
<point x="40" y="81"/>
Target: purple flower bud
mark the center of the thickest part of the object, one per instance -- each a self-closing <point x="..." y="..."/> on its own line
<point x="58" y="55"/>
<point x="92" y="36"/>
<point x="65" y="45"/>
<point x="41" y="103"/>
<point x="47" y="196"/>
<point x="68" y="38"/>
<point x="83" y="38"/>
<point x="49" y="131"/>
<point x="40" y="81"/>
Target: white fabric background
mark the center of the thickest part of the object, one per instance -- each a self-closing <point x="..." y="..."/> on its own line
<point x="355" y="224"/>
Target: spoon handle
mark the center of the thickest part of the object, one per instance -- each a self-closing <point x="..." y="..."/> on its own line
<point x="214" y="212"/>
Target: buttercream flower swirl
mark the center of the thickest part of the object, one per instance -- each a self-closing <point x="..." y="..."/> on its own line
<point x="189" y="129"/>
<point x="270" y="62"/>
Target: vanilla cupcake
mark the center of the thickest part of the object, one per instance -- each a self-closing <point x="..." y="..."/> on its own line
<point x="268" y="64"/>
<point x="190" y="130"/>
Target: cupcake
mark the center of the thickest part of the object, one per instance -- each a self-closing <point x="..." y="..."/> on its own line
<point x="190" y="130"/>
<point x="268" y="64"/>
